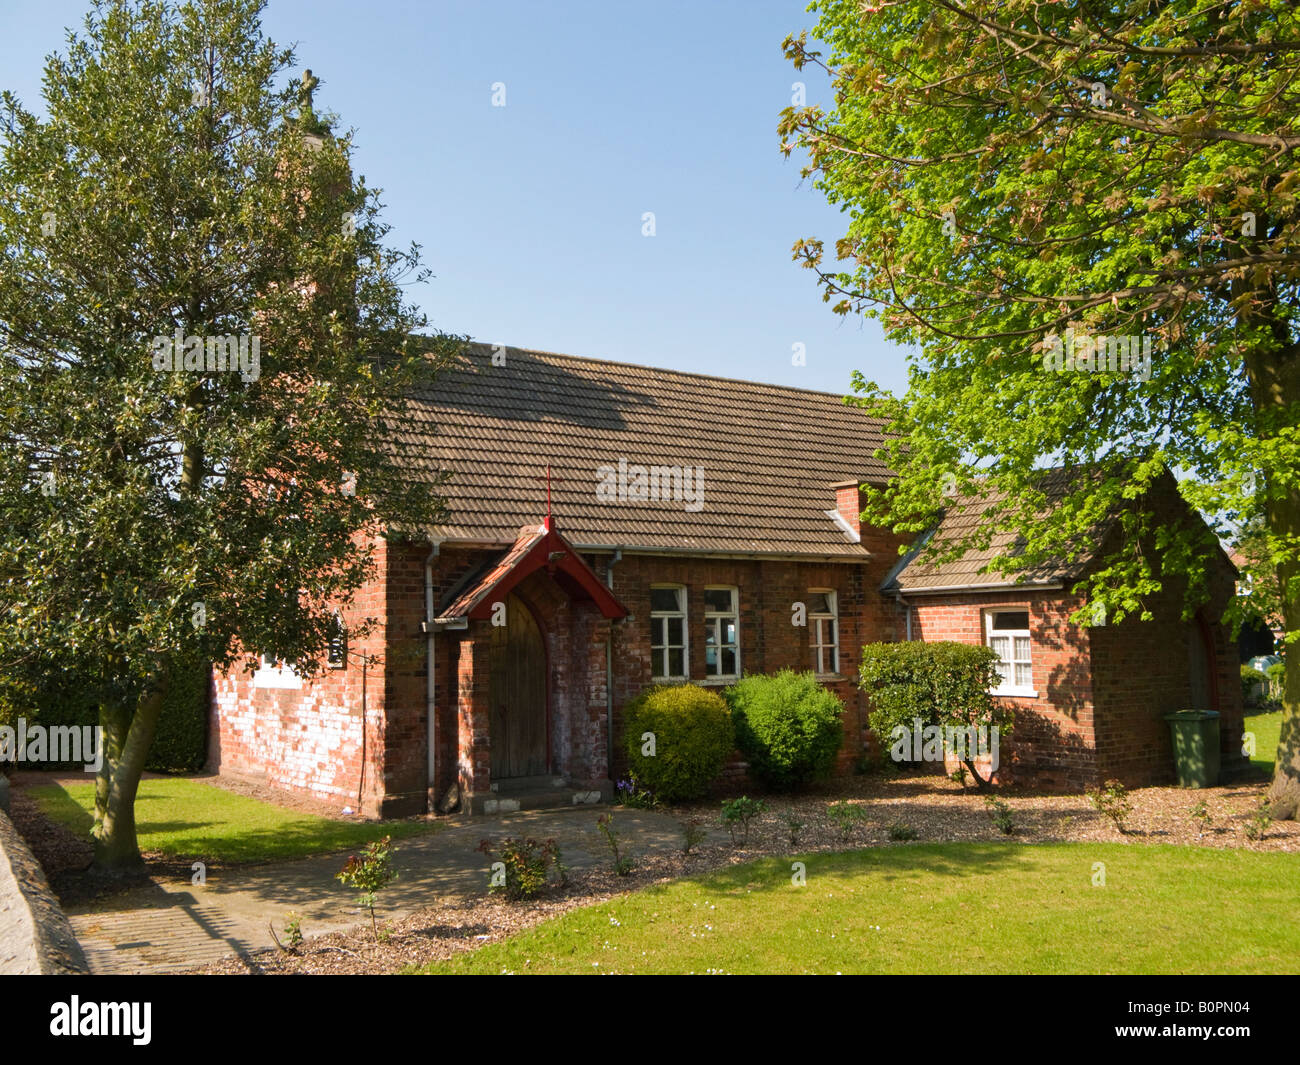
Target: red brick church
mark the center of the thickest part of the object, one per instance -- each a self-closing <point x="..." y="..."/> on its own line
<point x="691" y="528"/>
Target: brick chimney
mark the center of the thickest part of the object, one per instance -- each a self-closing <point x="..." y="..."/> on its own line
<point x="848" y="503"/>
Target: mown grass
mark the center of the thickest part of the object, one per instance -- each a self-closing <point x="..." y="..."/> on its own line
<point x="187" y="819"/>
<point x="937" y="908"/>
<point x="1267" y="727"/>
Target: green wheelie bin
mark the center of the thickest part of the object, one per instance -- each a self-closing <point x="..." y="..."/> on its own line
<point x="1195" y="736"/>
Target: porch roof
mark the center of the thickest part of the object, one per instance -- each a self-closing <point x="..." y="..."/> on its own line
<point x="536" y="547"/>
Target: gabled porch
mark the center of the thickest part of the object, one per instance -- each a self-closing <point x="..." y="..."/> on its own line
<point x="529" y="682"/>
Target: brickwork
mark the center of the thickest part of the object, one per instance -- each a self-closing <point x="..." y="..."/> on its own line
<point x="359" y="736"/>
<point x="1052" y="744"/>
<point x="325" y="738"/>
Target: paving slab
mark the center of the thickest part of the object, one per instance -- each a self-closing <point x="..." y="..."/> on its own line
<point x="172" y="924"/>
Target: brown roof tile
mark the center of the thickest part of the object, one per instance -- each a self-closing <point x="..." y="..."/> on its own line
<point x="769" y="454"/>
<point x="915" y="574"/>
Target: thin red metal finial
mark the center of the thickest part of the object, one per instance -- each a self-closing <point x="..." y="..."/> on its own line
<point x="559" y="480"/>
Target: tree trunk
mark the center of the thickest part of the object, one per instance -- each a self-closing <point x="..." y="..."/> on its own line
<point x="1284" y="794"/>
<point x="114" y="723"/>
<point x="1275" y="392"/>
<point x="127" y="739"/>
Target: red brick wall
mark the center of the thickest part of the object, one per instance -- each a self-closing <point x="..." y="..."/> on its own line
<point x="768" y="639"/>
<point x="311" y="740"/>
<point x="1052" y="743"/>
<point x="325" y="739"/>
<point x="1142" y="672"/>
<point x="1100" y="692"/>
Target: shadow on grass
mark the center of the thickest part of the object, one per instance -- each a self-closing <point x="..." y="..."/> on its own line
<point x="888" y="863"/>
<point x="221" y="839"/>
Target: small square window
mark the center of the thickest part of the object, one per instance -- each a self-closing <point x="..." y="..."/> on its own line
<point x="720" y="600"/>
<point x="1011" y="620"/>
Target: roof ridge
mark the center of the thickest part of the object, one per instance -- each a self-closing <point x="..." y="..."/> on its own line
<point x="665" y="370"/>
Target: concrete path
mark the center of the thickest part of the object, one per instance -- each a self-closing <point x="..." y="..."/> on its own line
<point x="172" y="925"/>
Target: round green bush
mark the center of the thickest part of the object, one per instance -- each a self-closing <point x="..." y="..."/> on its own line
<point x="788" y="727"/>
<point x="692" y="738"/>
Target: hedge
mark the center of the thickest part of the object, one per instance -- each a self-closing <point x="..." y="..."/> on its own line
<point x="181" y="742"/>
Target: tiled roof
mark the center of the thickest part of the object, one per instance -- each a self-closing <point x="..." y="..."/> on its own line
<point x="769" y="454"/>
<point x="959" y="520"/>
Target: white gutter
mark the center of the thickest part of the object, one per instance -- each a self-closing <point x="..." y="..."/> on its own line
<point x="679" y="552"/>
<point x="1051" y="586"/>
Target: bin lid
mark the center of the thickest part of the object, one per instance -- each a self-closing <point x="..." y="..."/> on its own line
<point x="1191" y="715"/>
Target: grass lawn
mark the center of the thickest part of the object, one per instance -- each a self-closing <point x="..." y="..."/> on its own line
<point x="189" y="819"/>
<point x="1266" y="728"/>
<point x="938" y="908"/>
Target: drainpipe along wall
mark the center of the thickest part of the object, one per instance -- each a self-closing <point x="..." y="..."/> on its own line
<point x="430" y="710"/>
<point x="609" y="670"/>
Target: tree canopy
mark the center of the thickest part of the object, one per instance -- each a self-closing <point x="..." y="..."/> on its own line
<point x="1082" y="219"/>
<point x="202" y="340"/>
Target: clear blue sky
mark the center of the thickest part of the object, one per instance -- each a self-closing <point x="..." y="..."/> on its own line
<point x="530" y="214"/>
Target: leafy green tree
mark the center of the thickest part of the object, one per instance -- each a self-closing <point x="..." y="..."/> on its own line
<point x="1026" y="183"/>
<point x="150" y="516"/>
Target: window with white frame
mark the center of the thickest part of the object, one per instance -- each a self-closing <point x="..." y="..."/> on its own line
<point x="1008" y="636"/>
<point x="824" y="630"/>
<point x="275" y="673"/>
<point x="668" y="633"/>
<point x="721" y="625"/>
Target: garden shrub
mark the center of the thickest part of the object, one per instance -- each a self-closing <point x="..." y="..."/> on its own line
<point x="788" y="727"/>
<point x="946" y="684"/>
<point x="523" y="868"/>
<point x="1001" y="815"/>
<point x="846" y="816"/>
<point x="692" y="739"/>
<point x="1253" y="684"/>
<point x="897" y="677"/>
<point x="738" y="813"/>
<point x="369" y="874"/>
<point x="1111" y="799"/>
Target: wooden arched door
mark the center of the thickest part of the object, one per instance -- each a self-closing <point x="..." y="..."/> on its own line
<point x="519" y="682"/>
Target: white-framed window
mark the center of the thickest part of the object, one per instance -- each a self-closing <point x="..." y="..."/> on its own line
<point x="275" y="673"/>
<point x="1007" y="632"/>
<point x="824" y="630"/>
<point x="722" y="631"/>
<point x="668" y="659"/>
